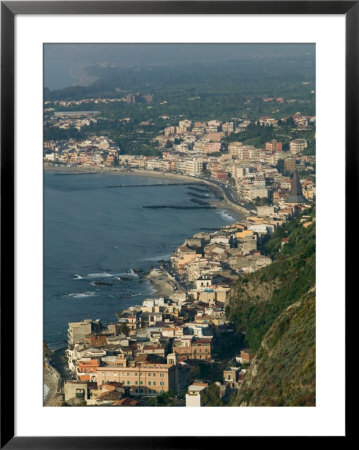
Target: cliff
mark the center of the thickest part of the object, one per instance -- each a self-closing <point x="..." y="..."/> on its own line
<point x="275" y="310"/>
<point x="283" y="370"/>
<point x="257" y="299"/>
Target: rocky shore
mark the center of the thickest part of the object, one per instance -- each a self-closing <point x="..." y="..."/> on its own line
<point x="52" y="385"/>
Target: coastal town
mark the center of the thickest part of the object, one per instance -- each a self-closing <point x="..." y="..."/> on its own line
<point x="198" y="149"/>
<point x="178" y="347"/>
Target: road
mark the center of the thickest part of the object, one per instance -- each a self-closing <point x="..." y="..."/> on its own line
<point x="227" y="193"/>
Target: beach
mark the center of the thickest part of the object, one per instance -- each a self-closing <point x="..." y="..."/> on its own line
<point x="120" y="171"/>
<point x="163" y="283"/>
<point x="225" y="203"/>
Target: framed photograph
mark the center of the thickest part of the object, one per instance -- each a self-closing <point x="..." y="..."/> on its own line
<point x="172" y="174"/>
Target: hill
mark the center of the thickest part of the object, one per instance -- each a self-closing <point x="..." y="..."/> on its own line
<point x="283" y="370"/>
<point x="275" y="310"/>
<point x="257" y="299"/>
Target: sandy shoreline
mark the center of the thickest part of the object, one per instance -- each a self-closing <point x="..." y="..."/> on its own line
<point x="163" y="283"/>
<point x="113" y="171"/>
<point x="237" y="211"/>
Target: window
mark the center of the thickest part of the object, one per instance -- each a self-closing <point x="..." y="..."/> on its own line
<point x="141" y="382"/>
<point x="136" y="382"/>
<point x="162" y="375"/>
<point x="128" y="382"/>
<point x="149" y="374"/>
<point x="80" y="393"/>
<point x="154" y="383"/>
<point x="149" y="383"/>
<point x="154" y="374"/>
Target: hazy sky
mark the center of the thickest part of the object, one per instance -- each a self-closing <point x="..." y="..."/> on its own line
<point x="61" y="61"/>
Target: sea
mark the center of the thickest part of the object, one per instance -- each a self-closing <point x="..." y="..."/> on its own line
<point x="100" y="241"/>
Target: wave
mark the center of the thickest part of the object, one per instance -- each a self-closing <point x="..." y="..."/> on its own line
<point x="129" y="274"/>
<point x="78" y="277"/>
<point x="226" y="216"/>
<point x="101" y="275"/>
<point x="159" y="258"/>
<point x="83" y="294"/>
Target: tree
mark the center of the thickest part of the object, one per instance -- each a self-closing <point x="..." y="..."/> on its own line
<point x="124" y="328"/>
<point x="289" y="123"/>
<point x="280" y="166"/>
<point x="211" y="396"/>
<point x="164" y="399"/>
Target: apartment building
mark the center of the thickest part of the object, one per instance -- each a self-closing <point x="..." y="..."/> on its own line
<point x="297" y="146"/>
<point x="78" y="330"/>
<point x="143" y="377"/>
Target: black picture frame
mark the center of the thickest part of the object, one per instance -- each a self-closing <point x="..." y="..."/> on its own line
<point x="9" y="9"/>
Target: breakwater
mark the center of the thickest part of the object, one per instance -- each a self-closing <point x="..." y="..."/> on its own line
<point x="178" y="207"/>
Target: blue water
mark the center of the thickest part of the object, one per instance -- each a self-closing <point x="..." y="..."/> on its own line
<point x="96" y="233"/>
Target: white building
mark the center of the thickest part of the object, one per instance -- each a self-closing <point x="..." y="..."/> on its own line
<point x="193" y="398"/>
<point x="297" y="146"/>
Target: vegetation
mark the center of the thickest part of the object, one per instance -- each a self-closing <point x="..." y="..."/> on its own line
<point x="210" y="396"/>
<point x="258" y="299"/>
<point x="47" y="351"/>
<point x="283" y="371"/>
<point x="168" y="398"/>
<point x="203" y="90"/>
<point x="124" y="329"/>
<point x="255" y="134"/>
<point x="60" y="134"/>
<point x="275" y="309"/>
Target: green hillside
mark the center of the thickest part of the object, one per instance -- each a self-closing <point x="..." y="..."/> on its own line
<point x="257" y="299"/>
<point x="275" y="310"/>
<point x="283" y="370"/>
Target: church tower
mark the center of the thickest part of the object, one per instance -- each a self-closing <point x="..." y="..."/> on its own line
<point x="296" y="194"/>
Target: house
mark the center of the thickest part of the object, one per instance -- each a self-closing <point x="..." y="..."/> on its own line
<point x="75" y="391"/>
<point x="231" y="377"/>
<point x="78" y="330"/>
<point x="246" y="356"/>
<point x="193" y="397"/>
<point x="87" y="369"/>
<point x="193" y="348"/>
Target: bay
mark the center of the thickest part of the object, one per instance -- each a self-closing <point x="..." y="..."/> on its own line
<point x="99" y="238"/>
